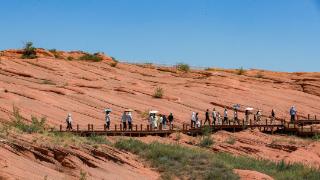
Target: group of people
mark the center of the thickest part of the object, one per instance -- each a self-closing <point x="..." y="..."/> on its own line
<point x="155" y="121"/>
<point x="161" y="120"/>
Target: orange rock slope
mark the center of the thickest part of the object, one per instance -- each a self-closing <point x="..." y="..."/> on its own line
<point x="52" y="87"/>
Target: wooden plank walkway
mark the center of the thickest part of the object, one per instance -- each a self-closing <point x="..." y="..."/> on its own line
<point x="299" y="127"/>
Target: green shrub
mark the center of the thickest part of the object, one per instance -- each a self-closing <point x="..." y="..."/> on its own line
<point x="177" y="162"/>
<point x="83" y="175"/>
<point x="35" y="126"/>
<point x="241" y="71"/>
<point x="206" y="141"/>
<point x="114" y="59"/>
<point x="183" y="67"/>
<point x="158" y="92"/>
<point x="70" y="58"/>
<point x="29" y="52"/>
<point x="91" y="57"/>
<point x="46" y="81"/>
<point x="94" y="139"/>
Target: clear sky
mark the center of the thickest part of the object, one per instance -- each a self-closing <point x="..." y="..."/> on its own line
<point x="279" y="35"/>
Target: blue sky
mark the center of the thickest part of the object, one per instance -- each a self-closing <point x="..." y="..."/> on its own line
<point x="281" y="35"/>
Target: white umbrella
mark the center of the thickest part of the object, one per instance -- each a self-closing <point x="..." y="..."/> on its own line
<point x="249" y="108"/>
<point x="153" y="112"/>
<point x="108" y="110"/>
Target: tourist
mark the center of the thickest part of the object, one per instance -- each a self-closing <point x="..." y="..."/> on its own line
<point x="151" y="120"/>
<point x="246" y="113"/>
<point x="207" y="117"/>
<point x="198" y="123"/>
<point x="170" y="118"/>
<point x="219" y="118"/>
<point x="107" y="119"/>
<point x="129" y="119"/>
<point x="155" y="121"/>
<point x="235" y="116"/>
<point x="225" y="116"/>
<point x="258" y="116"/>
<point x="124" y="120"/>
<point x="193" y="119"/>
<point x="273" y="116"/>
<point x="293" y="113"/>
<point x="69" y="122"/>
<point x="164" y="120"/>
<point x="214" y="116"/>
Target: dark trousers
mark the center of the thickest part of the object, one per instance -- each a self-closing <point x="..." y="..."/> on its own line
<point x="69" y="126"/>
<point x="207" y="120"/>
<point x="124" y="124"/>
<point x="214" y="120"/>
<point x="108" y="125"/>
<point x="293" y="118"/>
<point x="130" y="125"/>
<point x="225" y="120"/>
<point x="193" y="124"/>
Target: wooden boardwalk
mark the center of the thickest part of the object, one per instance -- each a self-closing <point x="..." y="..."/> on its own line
<point x="299" y="127"/>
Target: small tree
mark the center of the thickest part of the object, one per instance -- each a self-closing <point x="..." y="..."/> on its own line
<point x="29" y="51"/>
<point x="158" y="92"/>
<point x="241" y="71"/>
<point x="183" y="67"/>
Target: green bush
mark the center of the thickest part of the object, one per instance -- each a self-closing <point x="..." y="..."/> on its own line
<point x="29" y="52"/>
<point x="231" y="140"/>
<point x="35" y="126"/>
<point x="259" y="75"/>
<point x="206" y="141"/>
<point x="241" y="71"/>
<point x="91" y="57"/>
<point x="177" y="162"/>
<point x="158" y="92"/>
<point x="183" y="67"/>
<point x="94" y="139"/>
<point x="70" y="58"/>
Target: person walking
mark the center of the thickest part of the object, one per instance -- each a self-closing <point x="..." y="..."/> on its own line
<point x="225" y="116"/>
<point x="214" y="116"/>
<point x="193" y="120"/>
<point x="69" y="122"/>
<point x="273" y="116"/>
<point x="219" y="118"/>
<point x="235" y="116"/>
<point x="198" y="123"/>
<point x="151" y="121"/>
<point x="258" y="116"/>
<point x="107" y="119"/>
<point x="164" y="121"/>
<point x="129" y="119"/>
<point x="207" y="117"/>
<point x="246" y="113"/>
<point x="155" y="121"/>
<point x="170" y="118"/>
<point x="293" y="113"/>
<point x="124" y="121"/>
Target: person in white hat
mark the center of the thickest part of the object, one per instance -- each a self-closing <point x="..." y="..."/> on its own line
<point x="69" y="122"/>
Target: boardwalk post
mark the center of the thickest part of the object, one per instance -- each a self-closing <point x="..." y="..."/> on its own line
<point x="104" y="127"/>
<point x="148" y="127"/>
<point x="311" y="128"/>
<point x="91" y="127"/>
<point x="77" y="127"/>
<point x="141" y="127"/>
<point x="308" y="116"/>
<point x="136" y="127"/>
<point x="183" y="127"/>
<point x="315" y="117"/>
<point x="88" y="127"/>
<point x="264" y="129"/>
<point x="191" y="123"/>
<point x="120" y="127"/>
<point x="115" y="127"/>
<point x="60" y="127"/>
